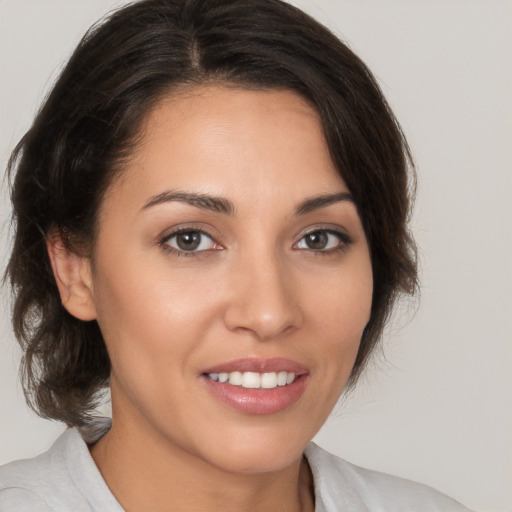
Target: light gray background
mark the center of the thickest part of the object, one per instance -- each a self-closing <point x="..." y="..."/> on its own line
<point x="436" y="407"/>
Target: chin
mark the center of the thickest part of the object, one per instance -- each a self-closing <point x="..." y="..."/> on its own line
<point x="256" y="452"/>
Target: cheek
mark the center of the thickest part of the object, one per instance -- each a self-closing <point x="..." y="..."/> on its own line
<point x="343" y="304"/>
<point x="339" y="314"/>
<point x="152" y="326"/>
<point x="148" y="314"/>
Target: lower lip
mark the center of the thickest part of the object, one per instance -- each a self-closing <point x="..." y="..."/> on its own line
<point x="258" y="401"/>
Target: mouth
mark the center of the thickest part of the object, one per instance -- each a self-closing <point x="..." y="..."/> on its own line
<point x="257" y="386"/>
<point x="254" y="380"/>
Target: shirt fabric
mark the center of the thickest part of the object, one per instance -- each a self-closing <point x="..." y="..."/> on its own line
<point x="66" y="479"/>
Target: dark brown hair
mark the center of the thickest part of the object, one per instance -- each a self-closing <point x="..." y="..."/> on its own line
<point x="121" y="68"/>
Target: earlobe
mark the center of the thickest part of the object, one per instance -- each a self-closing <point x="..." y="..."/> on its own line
<point x="73" y="276"/>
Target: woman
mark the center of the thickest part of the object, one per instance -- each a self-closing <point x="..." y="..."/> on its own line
<point x="210" y="215"/>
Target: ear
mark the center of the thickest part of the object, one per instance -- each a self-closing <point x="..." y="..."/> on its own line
<point x="73" y="275"/>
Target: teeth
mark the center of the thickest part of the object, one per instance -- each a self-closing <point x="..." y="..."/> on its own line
<point x="251" y="380"/>
<point x="254" y="380"/>
<point x="282" y="377"/>
<point x="235" y="378"/>
<point x="268" y="380"/>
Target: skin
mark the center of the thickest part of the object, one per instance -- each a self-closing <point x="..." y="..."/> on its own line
<point x="257" y="290"/>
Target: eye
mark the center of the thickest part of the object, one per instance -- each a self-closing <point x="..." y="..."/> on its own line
<point x="189" y="241"/>
<point x="323" y="240"/>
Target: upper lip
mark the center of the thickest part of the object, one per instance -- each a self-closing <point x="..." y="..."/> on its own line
<point x="259" y="365"/>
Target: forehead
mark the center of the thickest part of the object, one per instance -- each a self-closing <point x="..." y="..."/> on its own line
<point x="232" y="142"/>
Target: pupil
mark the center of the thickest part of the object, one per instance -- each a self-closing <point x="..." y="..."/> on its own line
<point x="189" y="240"/>
<point x="316" y="240"/>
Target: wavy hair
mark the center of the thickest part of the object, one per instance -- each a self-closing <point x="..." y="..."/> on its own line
<point x="89" y="122"/>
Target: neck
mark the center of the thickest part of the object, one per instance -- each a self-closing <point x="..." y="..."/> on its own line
<point x="146" y="471"/>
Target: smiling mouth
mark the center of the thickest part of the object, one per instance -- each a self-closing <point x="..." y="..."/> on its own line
<point x="254" y="380"/>
<point x="257" y="385"/>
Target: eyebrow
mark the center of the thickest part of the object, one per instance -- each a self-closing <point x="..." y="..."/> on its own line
<point x="204" y="201"/>
<point x="222" y="205"/>
<point x="320" y="201"/>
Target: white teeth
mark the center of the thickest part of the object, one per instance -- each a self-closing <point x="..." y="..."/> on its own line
<point x="269" y="380"/>
<point x="235" y="378"/>
<point x="250" y="380"/>
<point x="254" y="380"/>
<point x="281" y="378"/>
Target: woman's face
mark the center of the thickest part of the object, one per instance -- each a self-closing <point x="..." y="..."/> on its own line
<point x="229" y="248"/>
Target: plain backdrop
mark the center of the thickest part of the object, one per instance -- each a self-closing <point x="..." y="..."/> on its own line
<point x="436" y="403"/>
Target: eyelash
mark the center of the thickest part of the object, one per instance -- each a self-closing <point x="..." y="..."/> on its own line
<point x="163" y="243"/>
<point x="344" y="242"/>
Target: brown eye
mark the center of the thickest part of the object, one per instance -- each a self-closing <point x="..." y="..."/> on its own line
<point x="316" y="241"/>
<point x="190" y="241"/>
<point x="323" y="240"/>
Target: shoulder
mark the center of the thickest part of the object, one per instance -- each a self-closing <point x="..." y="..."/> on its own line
<point x="29" y="484"/>
<point x="340" y="483"/>
<point x="61" y="479"/>
<point x="18" y="499"/>
<point x="24" y="484"/>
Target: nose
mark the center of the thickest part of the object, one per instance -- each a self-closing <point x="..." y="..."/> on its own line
<point x="263" y="299"/>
